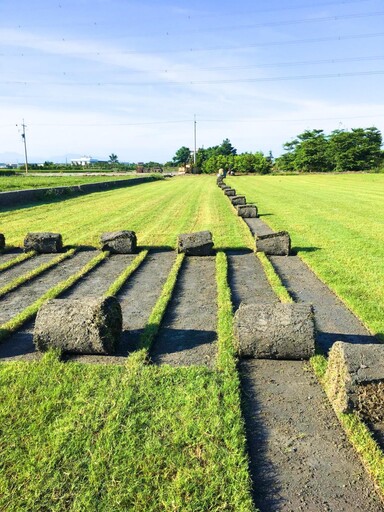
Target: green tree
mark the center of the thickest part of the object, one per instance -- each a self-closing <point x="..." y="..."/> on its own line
<point x="113" y="159"/>
<point x="182" y="156"/>
<point x="356" y="150"/>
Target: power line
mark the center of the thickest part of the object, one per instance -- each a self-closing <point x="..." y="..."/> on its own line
<point x="200" y="82"/>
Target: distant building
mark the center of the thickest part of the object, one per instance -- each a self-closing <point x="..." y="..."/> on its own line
<point x="84" y="161"/>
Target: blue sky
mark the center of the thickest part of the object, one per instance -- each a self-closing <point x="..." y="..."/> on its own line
<point x="114" y="76"/>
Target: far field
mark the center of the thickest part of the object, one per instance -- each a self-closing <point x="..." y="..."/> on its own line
<point x="158" y="212"/>
<point x="336" y="223"/>
<point x="21" y="182"/>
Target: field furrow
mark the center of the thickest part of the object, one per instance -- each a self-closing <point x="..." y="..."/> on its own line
<point x="188" y="332"/>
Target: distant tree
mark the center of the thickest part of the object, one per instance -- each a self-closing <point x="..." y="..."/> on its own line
<point x="356" y="150"/>
<point x="113" y="159"/>
<point x="182" y="156"/>
<point x="226" y="148"/>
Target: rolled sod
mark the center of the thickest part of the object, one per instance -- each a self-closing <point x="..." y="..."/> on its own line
<point x="119" y="242"/>
<point x="90" y="325"/>
<point x="2" y="242"/>
<point x="247" y="211"/>
<point x="43" y="242"/>
<point x="275" y="331"/>
<point x="195" y="244"/>
<point x="274" y="244"/>
<point x="238" y="200"/>
<point x="229" y="192"/>
<point x="351" y="367"/>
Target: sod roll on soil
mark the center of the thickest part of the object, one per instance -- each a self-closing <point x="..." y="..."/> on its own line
<point x="43" y="242"/>
<point x="119" y="242"/>
<point x="2" y="242"/>
<point x="351" y="368"/>
<point x="274" y="244"/>
<point x="90" y="325"/>
<point x="275" y="331"/>
<point x="195" y="244"/>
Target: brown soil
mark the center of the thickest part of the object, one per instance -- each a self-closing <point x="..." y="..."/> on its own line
<point x="14" y="302"/>
<point x="24" y="267"/>
<point x="300" y="457"/>
<point x="188" y="332"/>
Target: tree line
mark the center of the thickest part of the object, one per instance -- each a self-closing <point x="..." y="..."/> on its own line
<point x="358" y="149"/>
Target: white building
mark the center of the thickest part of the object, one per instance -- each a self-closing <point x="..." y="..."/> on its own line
<point x="83" y="161"/>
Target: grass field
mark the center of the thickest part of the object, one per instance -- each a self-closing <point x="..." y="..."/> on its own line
<point x="8" y="183"/>
<point x="336" y="223"/>
<point x="157" y="211"/>
<point x="77" y="437"/>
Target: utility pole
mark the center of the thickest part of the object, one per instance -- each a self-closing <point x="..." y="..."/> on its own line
<point x="25" y="146"/>
<point x="194" y="140"/>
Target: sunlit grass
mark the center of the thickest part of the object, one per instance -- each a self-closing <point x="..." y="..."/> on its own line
<point x="156" y="211"/>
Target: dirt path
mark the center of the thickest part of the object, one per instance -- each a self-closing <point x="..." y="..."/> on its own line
<point x="300" y="457"/>
<point x="188" y="332"/>
<point x="247" y="279"/>
<point x="24" y="267"/>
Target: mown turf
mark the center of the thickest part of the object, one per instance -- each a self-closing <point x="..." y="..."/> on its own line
<point x="337" y="226"/>
<point x="8" y="183"/>
<point x="142" y="438"/>
<point x="157" y="211"/>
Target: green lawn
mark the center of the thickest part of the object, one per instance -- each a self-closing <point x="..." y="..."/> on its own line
<point x="157" y="211"/>
<point x="8" y="183"/>
<point x="337" y="224"/>
<point x="77" y="437"/>
<point x="114" y="438"/>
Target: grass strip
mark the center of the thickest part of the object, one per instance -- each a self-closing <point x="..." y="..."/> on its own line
<point x="273" y="279"/>
<point x="29" y="312"/>
<point x="153" y="324"/>
<point x="127" y="272"/>
<point x="18" y="259"/>
<point x="357" y="431"/>
<point x="226" y="351"/>
<point x="18" y="281"/>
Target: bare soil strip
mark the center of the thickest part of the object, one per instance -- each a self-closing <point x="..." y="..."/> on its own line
<point x="188" y="333"/>
<point x="247" y="280"/>
<point x="10" y="255"/>
<point x="24" y="267"/>
<point x="97" y="282"/>
<point x="258" y="227"/>
<point x="20" y="344"/>
<point x="14" y="302"/>
<point x="300" y="457"/>
<point x="137" y="299"/>
<point x="334" y="321"/>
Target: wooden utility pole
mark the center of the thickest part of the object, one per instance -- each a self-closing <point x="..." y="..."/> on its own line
<point x="25" y="146"/>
